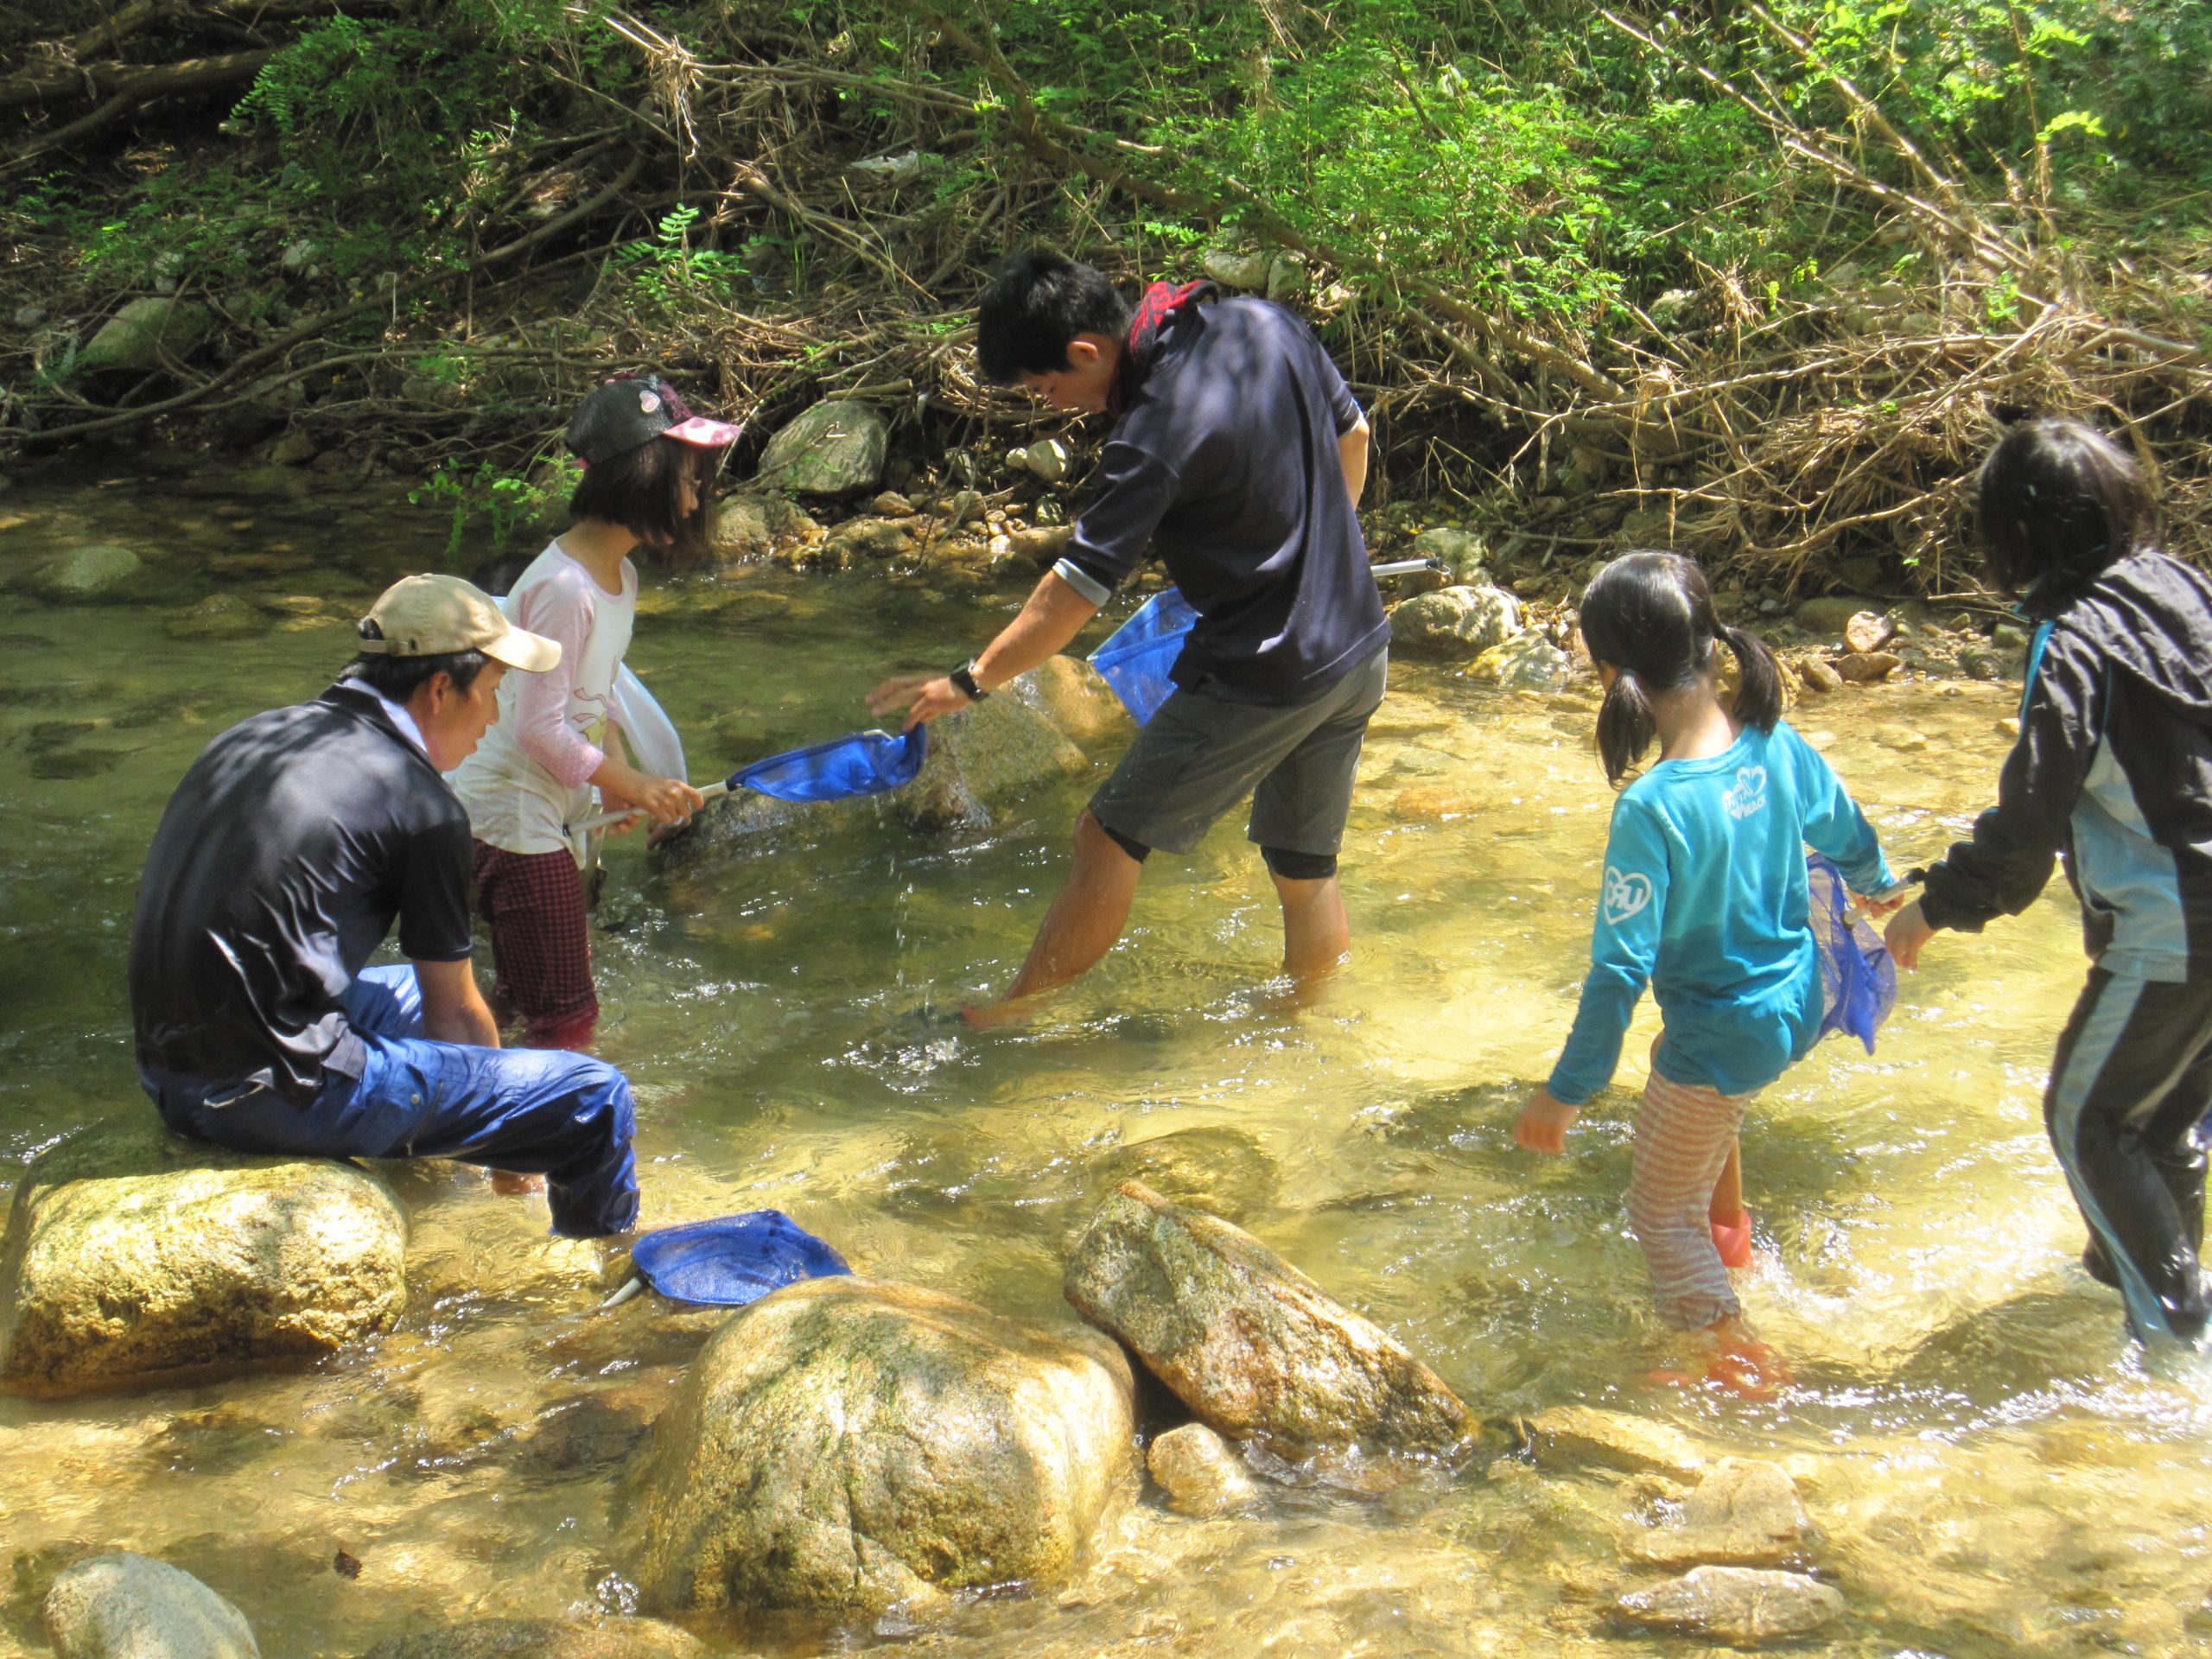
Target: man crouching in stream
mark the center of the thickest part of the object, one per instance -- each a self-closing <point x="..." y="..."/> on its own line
<point x="284" y="856"/>
<point x="1238" y="451"/>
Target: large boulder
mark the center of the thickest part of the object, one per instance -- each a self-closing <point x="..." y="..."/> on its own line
<point x="126" y="1606"/>
<point x="984" y="762"/>
<point x="146" y="332"/>
<point x="1455" y="624"/>
<point x="95" y="570"/>
<point x="835" y="447"/>
<point x="1257" y="1350"/>
<point x="985" y="767"/>
<point x="132" y="1253"/>
<point x="846" y="1445"/>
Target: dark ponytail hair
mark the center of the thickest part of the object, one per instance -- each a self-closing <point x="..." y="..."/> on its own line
<point x="1650" y="616"/>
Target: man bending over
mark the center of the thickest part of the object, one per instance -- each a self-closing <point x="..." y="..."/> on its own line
<point x="285" y="855"/>
<point x="1239" y="452"/>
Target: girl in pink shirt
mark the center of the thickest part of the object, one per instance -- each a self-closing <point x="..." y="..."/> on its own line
<point x="649" y="463"/>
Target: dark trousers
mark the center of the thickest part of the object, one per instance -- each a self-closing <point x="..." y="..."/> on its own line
<point x="536" y="1111"/>
<point x="2131" y="1083"/>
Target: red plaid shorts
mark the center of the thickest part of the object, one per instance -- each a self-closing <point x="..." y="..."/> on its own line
<point x="540" y="945"/>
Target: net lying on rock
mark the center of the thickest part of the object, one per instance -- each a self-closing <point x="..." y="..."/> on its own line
<point x="732" y="1260"/>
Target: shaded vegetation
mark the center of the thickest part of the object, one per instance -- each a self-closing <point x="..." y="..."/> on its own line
<point x="1757" y="279"/>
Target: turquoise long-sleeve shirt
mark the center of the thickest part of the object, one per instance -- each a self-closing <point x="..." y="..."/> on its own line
<point x="1704" y="898"/>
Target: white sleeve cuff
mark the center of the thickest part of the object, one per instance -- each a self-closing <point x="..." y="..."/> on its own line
<point x="1083" y="582"/>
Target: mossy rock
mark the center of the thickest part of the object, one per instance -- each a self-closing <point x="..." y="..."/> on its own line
<point x="96" y="570"/>
<point x="833" y="448"/>
<point x="1256" y="1349"/>
<point x="146" y="332"/>
<point x="133" y="1254"/>
<point x="847" y="1444"/>
<point x="219" y="616"/>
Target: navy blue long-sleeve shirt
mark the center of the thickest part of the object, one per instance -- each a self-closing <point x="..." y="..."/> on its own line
<point x="1225" y="459"/>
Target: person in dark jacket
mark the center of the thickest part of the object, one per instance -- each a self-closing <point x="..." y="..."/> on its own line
<point x="1239" y="455"/>
<point x="2113" y="769"/>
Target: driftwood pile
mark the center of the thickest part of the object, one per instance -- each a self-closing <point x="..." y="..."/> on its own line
<point x="1798" y="438"/>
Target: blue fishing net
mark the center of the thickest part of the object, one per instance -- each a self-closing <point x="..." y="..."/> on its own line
<point x="1138" y="656"/>
<point x="1859" y="982"/>
<point x="732" y="1260"/>
<point x="866" y="763"/>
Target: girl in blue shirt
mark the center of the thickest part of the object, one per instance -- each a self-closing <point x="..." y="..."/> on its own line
<point x="1706" y="896"/>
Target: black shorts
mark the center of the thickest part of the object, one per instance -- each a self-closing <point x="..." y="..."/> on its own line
<point x="1201" y="755"/>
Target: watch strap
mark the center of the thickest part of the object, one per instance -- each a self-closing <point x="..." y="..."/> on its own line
<point x="964" y="677"/>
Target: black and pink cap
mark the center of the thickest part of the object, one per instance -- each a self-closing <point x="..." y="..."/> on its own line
<point x="632" y="410"/>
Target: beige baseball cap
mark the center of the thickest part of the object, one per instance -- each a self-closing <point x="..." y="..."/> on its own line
<point x="429" y="616"/>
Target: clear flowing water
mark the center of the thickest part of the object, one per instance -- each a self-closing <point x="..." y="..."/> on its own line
<point x="1992" y="1470"/>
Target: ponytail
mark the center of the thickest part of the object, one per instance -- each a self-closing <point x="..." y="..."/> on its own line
<point x="1625" y="726"/>
<point x="1758" y="696"/>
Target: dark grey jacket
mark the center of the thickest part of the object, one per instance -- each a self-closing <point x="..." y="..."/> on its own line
<point x="2112" y="768"/>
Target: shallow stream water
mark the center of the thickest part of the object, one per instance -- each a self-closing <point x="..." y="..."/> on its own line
<point x="1991" y="1470"/>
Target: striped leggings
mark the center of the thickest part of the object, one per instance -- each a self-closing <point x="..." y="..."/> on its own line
<point x="1683" y="1133"/>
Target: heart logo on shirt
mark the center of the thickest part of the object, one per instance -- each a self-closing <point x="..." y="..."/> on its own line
<point x="1624" y="895"/>
<point x="1749" y="795"/>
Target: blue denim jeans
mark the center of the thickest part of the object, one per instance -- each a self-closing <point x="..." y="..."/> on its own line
<point x="536" y="1111"/>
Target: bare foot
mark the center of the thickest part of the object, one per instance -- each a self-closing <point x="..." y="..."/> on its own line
<point x="506" y="1182"/>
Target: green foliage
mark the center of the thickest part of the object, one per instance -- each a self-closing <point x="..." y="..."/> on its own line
<point x="665" y="270"/>
<point x="508" y="500"/>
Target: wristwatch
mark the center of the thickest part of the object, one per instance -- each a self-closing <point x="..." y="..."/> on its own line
<point x="964" y="677"/>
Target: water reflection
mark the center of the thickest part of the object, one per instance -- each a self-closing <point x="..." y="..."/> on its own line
<point x="1992" y="1470"/>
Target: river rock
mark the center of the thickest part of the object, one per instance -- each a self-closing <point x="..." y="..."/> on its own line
<point x="1586" y="1437"/>
<point x="1868" y="631"/>
<point x="1459" y="552"/>
<point x="1455" y="624"/>
<point x="1527" y="662"/>
<point x="1072" y="695"/>
<point x="846" y="1444"/>
<point x="752" y="525"/>
<point x="1240" y="268"/>
<point x="1867" y="667"/>
<point x="545" y="1639"/>
<point x="1221" y="1170"/>
<point x="96" y="570"/>
<point x="1737" y="1604"/>
<point x="986" y="760"/>
<point x="1817" y="676"/>
<point x="219" y="616"/>
<point x="1826" y="618"/>
<point x="1253" y="1348"/>
<point x="1743" y="1513"/>
<point x="145" y="332"/>
<point x="837" y="445"/>
<point x="1043" y="545"/>
<point x="131" y="1254"/>
<point x="867" y="538"/>
<point x="1200" y="1471"/>
<point x="891" y="504"/>
<point x="125" y="1606"/>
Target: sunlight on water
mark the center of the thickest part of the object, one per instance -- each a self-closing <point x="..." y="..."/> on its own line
<point x="1992" y="1472"/>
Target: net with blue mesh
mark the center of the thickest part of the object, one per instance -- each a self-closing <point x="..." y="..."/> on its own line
<point x="1139" y="657"/>
<point x="865" y="763"/>
<point x="732" y="1260"/>
<point x="1859" y="982"/>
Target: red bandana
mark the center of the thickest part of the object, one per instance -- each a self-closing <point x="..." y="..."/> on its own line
<point x="1155" y="312"/>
